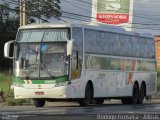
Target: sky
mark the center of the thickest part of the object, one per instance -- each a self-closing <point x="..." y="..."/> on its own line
<point x="146" y="14"/>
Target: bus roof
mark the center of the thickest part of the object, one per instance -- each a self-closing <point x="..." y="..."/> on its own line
<point x="46" y="25"/>
<point x="89" y="25"/>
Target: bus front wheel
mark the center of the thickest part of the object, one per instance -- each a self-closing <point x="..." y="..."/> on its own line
<point x="141" y="94"/>
<point x="38" y="102"/>
<point x="88" y="96"/>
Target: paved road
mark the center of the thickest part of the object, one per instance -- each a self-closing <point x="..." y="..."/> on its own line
<point x="113" y="110"/>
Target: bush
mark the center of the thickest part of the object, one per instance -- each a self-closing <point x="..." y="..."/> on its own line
<point x="158" y="72"/>
<point x="9" y="100"/>
<point x="5" y="82"/>
<point x="8" y="96"/>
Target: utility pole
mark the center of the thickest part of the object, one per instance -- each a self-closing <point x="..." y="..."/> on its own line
<point x="22" y="13"/>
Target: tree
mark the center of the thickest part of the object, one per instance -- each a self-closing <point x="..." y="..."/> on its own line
<point x="9" y="21"/>
<point x="9" y="24"/>
<point x="43" y="8"/>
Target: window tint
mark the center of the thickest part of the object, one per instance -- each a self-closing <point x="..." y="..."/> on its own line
<point x="44" y="35"/>
<point x="125" y="45"/>
<point x="115" y="45"/>
<point x="103" y="43"/>
<point x="142" y="47"/>
<point x="90" y="41"/>
<point x="96" y="42"/>
<point x="135" y="49"/>
<point x="152" y="48"/>
<point x="56" y="35"/>
<point x="107" y="43"/>
<point x="78" y="39"/>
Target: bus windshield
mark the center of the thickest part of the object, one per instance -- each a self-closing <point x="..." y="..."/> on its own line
<point x="45" y="57"/>
<point x="42" y="35"/>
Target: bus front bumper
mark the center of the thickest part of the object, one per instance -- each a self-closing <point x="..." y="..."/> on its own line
<point x="61" y="92"/>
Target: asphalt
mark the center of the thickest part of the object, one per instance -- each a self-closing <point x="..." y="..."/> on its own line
<point x="110" y="110"/>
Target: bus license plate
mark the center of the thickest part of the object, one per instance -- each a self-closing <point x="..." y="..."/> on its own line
<point x="39" y="93"/>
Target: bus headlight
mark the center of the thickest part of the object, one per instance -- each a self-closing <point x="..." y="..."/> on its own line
<point x="62" y="83"/>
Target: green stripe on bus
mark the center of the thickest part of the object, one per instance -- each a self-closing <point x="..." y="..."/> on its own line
<point x="60" y="79"/>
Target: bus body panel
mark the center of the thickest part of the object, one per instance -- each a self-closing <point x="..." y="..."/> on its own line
<point x="114" y="84"/>
<point x="107" y="80"/>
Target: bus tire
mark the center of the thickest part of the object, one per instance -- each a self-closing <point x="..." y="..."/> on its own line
<point x="135" y="94"/>
<point x="38" y="102"/>
<point x="99" y="101"/>
<point x="134" y="98"/>
<point x="88" y="96"/>
<point x="141" y="94"/>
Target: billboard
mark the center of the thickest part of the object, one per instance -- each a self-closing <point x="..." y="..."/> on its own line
<point x="112" y="11"/>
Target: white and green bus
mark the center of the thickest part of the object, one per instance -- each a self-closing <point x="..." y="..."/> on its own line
<point x="87" y="63"/>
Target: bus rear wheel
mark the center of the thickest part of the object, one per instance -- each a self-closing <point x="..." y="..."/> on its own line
<point x="88" y="96"/>
<point x="38" y="102"/>
<point x="134" y="98"/>
<point x="141" y="94"/>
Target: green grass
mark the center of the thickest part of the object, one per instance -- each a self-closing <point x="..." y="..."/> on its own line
<point x="8" y="98"/>
<point x="5" y="82"/>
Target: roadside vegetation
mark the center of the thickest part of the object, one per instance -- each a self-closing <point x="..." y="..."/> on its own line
<point x="6" y="93"/>
<point x="5" y="81"/>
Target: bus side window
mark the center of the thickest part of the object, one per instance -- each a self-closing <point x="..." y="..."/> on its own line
<point x="77" y="55"/>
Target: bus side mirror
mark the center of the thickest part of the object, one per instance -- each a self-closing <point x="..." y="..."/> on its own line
<point x="7" y="49"/>
<point x="69" y="47"/>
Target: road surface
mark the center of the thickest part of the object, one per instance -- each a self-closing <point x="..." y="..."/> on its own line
<point x="112" y="110"/>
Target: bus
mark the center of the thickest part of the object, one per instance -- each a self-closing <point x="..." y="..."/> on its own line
<point x="83" y="62"/>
